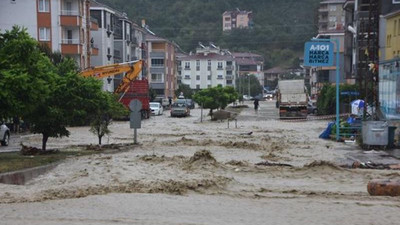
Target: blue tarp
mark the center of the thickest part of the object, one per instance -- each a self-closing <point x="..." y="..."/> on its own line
<point x="327" y="132"/>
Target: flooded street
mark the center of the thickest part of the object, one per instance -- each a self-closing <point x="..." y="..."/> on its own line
<point x="265" y="171"/>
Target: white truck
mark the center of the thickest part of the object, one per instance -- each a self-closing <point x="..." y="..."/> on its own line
<point x="292" y="99"/>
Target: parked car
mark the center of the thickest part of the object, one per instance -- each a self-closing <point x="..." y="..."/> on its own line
<point x="180" y="108"/>
<point x="156" y="108"/>
<point x="190" y="103"/>
<point x="4" y="135"/>
<point x="312" y="108"/>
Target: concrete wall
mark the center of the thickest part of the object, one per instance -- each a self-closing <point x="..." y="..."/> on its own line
<point x="22" y="13"/>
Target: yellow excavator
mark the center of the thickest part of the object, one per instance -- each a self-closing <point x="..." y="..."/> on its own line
<point x="131" y="69"/>
<point x="130" y="87"/>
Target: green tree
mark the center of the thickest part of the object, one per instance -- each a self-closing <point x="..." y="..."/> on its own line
<point x="26" y="75"/>
<point x="326" y="102"/>
<point x="216" y="97"/>
<point x="152" y="94"/>
<point x="246" y="84"/>
<point x="73" y="99"/>
<point x="185" y="89"/>
<point x="108" y="109"/>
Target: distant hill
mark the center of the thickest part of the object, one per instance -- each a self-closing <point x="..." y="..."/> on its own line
<point x="278" y="24"/>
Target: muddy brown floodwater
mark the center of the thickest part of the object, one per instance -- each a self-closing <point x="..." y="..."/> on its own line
<point x="264" y="171"/>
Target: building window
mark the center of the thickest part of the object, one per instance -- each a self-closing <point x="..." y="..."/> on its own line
<point x="229" y="82"/>
<point x="332" y="8"/>
<point x="219" y="66"/>
<point x="220" y="77"/>
<point x="198" y="77"/>
<point x="209" y="65"/>
<point x="157" y="77"/>
<point x="398" y="28"/>
<point x="157" y="62"/>
<point x="209" y="77"/>
<point x="44" y="6"/>
<point x="198" y="65"/>
<point x="187" y="65"/>
<point x="44" y="34"/>
<point x="187" y="77"/>
<point x="229" y="72"/>
<point x="197" y="87"/>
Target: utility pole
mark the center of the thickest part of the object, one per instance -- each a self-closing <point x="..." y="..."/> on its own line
<point x="248" y="76"/>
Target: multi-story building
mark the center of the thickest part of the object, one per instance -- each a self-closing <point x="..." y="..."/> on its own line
<point x="389" y="62"/>
<point x="237" y="19"/>
<point x="208" y="67"/>
<point x="331" y="16"/>
<point x="250" y="64"/>
<point x="117" y="39"/>
<point x="161" y="67"/>
<point x="331" y="26"/>
<point x="392" y="35"/>
<point x="63" y="25"/>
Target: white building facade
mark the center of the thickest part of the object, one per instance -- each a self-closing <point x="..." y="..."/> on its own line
<point x="62" y="25"/>
<point x="209" y="67"/>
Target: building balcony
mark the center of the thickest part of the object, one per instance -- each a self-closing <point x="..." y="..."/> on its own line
<point x="160" y="55"/>
<point x="94" y="50"/>
<point x="229" y="77"/>
<point x="229" y="67"/>
<point x="323" y="10"/>
<point x="321" y="21"/>
<point x="70" y="21"/>
<point x="94" y="25"/>
<point x="71" y="47"/>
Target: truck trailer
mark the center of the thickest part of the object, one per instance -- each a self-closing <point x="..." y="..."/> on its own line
<point x="292" y="99"/>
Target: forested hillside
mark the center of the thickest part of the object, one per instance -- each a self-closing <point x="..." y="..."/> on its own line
<point x="280" y="26"/>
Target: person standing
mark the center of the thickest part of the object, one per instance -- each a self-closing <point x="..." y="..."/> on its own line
<point x="256" y="104"/>
<point x="16" y="124"/>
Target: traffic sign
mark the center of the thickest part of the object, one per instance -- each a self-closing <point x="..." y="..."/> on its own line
<point x="135" y="105"/>
<point x="318" y="53"/>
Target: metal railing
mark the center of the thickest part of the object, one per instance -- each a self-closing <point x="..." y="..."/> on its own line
<point x="70" y="41"/>
<point x="69" y="13"/>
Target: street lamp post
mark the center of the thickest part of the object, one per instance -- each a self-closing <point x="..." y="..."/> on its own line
<point x="248" y="91"/>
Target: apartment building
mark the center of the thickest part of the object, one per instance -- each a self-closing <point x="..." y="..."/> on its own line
<point x="161" y="67"/>
<point x="331" y="16"/>
<point x="250" y="63"/>
<point x="63" y="25"/>
<point x="116" y="40"/>
<point x="331" y="22"/>
<point x="389" y="61"/>
<point x="208" y="67"/>
<point x="237" y="19"/>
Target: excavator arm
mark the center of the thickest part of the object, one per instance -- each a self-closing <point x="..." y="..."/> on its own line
<point x="130" y="76"/>
<point x="131" y="70"/>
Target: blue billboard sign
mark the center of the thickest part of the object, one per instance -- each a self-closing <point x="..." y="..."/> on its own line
<point x="318" y="53"/>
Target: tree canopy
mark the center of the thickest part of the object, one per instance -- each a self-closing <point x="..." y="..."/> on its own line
<point x="216" y="97"/>
<point x="44" y="88"/>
